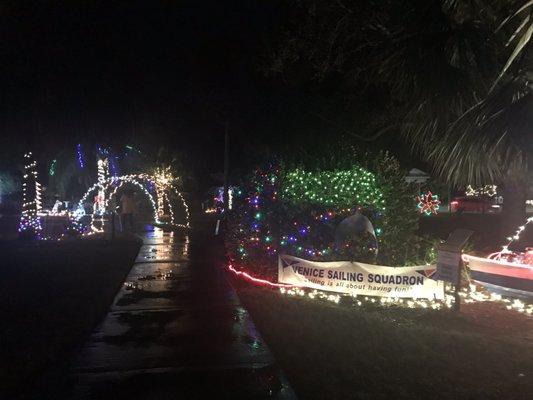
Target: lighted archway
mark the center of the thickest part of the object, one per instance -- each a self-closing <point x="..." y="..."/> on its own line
<point x="139" y="185"/>
<point x="136" y="180"/>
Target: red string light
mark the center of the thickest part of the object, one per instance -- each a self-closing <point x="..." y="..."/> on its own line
<point x="263" y="282"/>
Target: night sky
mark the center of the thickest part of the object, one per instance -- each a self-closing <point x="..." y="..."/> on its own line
<point x="149" y="74"/>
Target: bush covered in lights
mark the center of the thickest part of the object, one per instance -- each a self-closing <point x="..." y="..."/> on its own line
<point x="296" y="211"/>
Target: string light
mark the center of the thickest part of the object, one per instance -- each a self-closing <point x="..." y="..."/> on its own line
<point x="218" y="200"/>
<point x="519" y="231"/>
<point x="250" y="278"/>
<point x="31" y="198"/>
<point x="113" y="167"/>
<point x="487" y="190"/>
<point x="104" y="185"/>
<point x="135" y="179"/>
<point x="428" y="203"/>
<point x="79" y="153"/>
<point x="163" y="180"/>
<point x="267" y="235"/>
<point x="507" y="256"/>
<point x="468" y="295"/>
<point x="358" y="300"/>
<point x="100" y="199"/>
<point x="345" y="188"/>
<point x="135" y="182"/>
<point x="186" y="209"/>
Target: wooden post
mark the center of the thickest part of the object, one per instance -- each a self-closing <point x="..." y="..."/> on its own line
<point x="457" y="297"/>
<point x="450" y="264"/>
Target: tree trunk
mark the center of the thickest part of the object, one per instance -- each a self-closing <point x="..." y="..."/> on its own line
<point x="514" y="207"/>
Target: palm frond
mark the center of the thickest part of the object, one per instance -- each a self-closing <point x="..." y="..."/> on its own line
<point x="491" y="142"/>
<point x="522" y="42"/>
<point x="520" y="10"/>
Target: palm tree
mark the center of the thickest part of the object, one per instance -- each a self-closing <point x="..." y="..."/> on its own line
<point x="452" y="87"/>
<point x="436" y="59"/>
<point x="493" y="140"/>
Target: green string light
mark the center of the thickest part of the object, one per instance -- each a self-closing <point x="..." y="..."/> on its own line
<point x="338" y="188"/>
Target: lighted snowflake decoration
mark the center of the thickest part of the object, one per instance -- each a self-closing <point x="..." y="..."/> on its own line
<point x="428" y="203"/>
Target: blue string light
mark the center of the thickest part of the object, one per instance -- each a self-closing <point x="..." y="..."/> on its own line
<point x="79" y="152"/>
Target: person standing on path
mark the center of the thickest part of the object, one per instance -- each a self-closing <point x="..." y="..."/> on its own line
<point x="127" y="211"/>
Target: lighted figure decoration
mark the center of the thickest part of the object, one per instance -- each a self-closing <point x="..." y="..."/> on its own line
<point x="55" y="208"/>
<point x="218" y="200"/>
<point x="428" y="203"/>
<point x="99" y="202"/>
<point x="487" y="190"/>
<point x="354" y="229"/>
<point x="30" y="223"/>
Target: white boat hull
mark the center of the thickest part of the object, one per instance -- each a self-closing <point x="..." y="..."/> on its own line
<point x="505" y="278"/>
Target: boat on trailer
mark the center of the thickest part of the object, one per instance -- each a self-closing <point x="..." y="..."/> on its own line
<point x="501" y="276"/>
<point x="507" y="272"/>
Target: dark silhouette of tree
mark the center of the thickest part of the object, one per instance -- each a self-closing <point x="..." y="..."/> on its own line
<point x="450" y="78"/>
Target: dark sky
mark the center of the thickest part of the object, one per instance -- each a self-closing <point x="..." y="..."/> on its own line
<point x="151" y="73"/>
<point x="145" y="73"/>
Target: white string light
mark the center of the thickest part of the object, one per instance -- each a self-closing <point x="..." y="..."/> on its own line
<point x="186" y="208"/>
<point x="468" y="295"/>
<point x="31" y="198"/>
<point x="487" y="190"/>
<point x="134" y="179"/>
<point x="520" y="229"/>
<point x="99" y="205"/>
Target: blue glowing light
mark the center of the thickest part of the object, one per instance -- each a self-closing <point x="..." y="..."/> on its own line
<point x="79" y="152"/>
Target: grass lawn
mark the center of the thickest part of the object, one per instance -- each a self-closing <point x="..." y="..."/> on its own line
<point x="52" y="295"/>
<point x="338" y="352"/>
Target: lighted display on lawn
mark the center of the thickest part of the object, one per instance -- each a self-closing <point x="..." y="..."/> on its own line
<point x="110" y="185"/>
<point x="296" y="212"/>
<point x="163" y="200"/>
<point x="30" y="222"/>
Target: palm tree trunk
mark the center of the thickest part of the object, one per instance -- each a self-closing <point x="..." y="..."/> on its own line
<point x="514" y="207"/>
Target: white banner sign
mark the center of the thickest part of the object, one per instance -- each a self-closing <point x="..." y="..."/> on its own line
<point x="360" y="279"/>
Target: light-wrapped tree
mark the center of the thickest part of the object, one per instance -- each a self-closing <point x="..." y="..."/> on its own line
<point x="30" y="223"/>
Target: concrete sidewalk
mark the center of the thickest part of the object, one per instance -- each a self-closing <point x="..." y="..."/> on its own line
<point x="175" y="330"/>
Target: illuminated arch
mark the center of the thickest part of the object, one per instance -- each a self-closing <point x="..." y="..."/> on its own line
<point x="135" y="179"/>
<point x="139" y="185"/>
<point x="185" y="207"/>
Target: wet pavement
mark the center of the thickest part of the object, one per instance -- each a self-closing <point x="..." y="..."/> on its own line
<point x="177" y="329"/>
